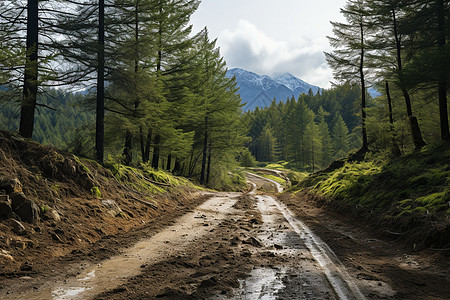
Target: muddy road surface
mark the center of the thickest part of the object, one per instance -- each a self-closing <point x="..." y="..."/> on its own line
<point x="249" y="246"/>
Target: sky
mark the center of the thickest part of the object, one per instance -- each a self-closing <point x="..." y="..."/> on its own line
<point x="273" y="36"/>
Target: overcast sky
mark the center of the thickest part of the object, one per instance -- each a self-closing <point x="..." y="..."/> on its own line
<point x="272" y="36"/>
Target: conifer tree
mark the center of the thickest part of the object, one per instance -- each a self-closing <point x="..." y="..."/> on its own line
<point x="298" y="119"/>
<point x="340" y="137"/>
<point x="348" y="58"/>
<point x="314" y="144"/>
<point x="325" y="137"/>
<point x="390" y="45"/>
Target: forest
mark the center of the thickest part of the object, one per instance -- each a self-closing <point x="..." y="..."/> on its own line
<point x="128" y="81"/>
<point x="124" y="81"/>
<point x="399" y="47"/>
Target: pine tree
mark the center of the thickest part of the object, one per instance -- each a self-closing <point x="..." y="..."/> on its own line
<point x="298" y="119"/>
<point x="325" y="138"/>
<point x="389" y="43"/>
<point x="314" y="144"/>
<point x="340" y="137"/>
<point x="348" y="58"/>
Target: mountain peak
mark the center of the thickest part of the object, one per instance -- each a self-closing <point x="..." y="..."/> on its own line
<point x="260" y="90"/>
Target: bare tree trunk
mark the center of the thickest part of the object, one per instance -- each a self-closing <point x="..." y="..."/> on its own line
<point x="128" y="149"/>
<point x="443" y="109"/>
<point x="208" y="169"/>
<point x="100" y="126"/>
<point x="156" y="147"/>
<point x="30" y="87"/>
<point x="169" y="162"/>
<point x="147" y="146"/>
<point x="414" y="124"/>
<point x="177" y="168"/>
<point x="205" y="148"/>
<point x="395" y="148"/>
<point x="365" y="145"/>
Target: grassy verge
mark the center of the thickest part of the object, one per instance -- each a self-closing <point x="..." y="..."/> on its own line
<point x="410" y="194"/>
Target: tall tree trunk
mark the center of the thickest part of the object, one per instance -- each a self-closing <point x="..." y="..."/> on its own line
<point x="128" y="149"/>
<point x="365" y="145"/>
<point x="100" y="111"/>
<point x="148" y="144"/>
<point x="443" y="109"/>
<point x="312" y="151"/>
<point x="169" y="162"/>
<point x="205" y="148"/>
<point x="208" y="169"/>
<point x="30" y="87"/>
<point x="141" y="142"/>
<point x="156" y="147"/>
<point x="414" y="124"/>
<point x="145" y="144"/>
<point x="177" y="168"/>
<point x="395" y="148"/>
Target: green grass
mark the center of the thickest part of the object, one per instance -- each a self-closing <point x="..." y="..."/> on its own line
<point x="411" y="192"/>
<point x="274" y="178"/>
<point x="147" y="180"/>
<point x="420" y="179"/>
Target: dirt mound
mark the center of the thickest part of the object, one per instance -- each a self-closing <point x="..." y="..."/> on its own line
<point x="53" y="203"/>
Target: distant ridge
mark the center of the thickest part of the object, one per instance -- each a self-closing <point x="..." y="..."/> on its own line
<point x="260" y="90"/>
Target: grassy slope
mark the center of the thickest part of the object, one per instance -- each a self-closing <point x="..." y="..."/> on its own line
<point x="409" y="194"/>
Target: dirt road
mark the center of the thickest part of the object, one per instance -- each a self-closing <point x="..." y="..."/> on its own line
<point x="252" y="246"/>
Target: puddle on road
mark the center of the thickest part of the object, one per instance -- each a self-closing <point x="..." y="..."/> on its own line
<point x="309" y="271"/>
<point x="263" y="283"/>
<point x="112" y="273"/>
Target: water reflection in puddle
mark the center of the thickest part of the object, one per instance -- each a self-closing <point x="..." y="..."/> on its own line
<point x="65" y="294"/>
<point x="263" y="283"/>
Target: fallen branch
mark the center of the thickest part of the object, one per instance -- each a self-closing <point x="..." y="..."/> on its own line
<point x="144" y="202"/>
<point x="395" y="233"/>
<point x="136" y="192"/>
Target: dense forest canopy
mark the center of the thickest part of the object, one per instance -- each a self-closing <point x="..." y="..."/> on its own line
<point x="155" y="92"/>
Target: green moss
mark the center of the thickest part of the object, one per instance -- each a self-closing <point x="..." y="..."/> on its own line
<point x="274" y="178"/>
<point x="96" y="192"/>
<point x="295" y="177"/>
<point x="83" y="167"/>
<point x="45" y="208"/>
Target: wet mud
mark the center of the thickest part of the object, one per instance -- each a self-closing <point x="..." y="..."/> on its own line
<point x="254" y="246"/>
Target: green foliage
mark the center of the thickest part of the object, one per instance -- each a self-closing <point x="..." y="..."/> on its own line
<point x="299" y="130"/>
<point x="295" y="177"/>
<point x="63" y="127"/>
<point x="246" y="159"/>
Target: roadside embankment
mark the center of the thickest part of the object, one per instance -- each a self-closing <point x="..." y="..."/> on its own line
<point x="54" y="204"/>
<point x="407" y="196"/>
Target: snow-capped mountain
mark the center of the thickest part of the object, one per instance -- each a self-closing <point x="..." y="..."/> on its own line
<point x="260" y="90"/>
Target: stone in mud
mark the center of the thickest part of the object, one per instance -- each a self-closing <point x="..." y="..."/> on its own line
<point x="5" y="206"/>
<point x="5" y="255"/>
<point x="52" y="214"/>
<point x="112" y="208"/>
<point x="11" y="185"/>
<point x="25" y="208"/>
<point x="253" y="241"/>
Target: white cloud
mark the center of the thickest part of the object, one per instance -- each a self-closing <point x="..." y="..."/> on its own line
<point x="249" y="48"/>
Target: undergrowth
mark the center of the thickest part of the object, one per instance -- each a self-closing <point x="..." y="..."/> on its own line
<point x="409" y="191"/>
<point x="145" y="179"/>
